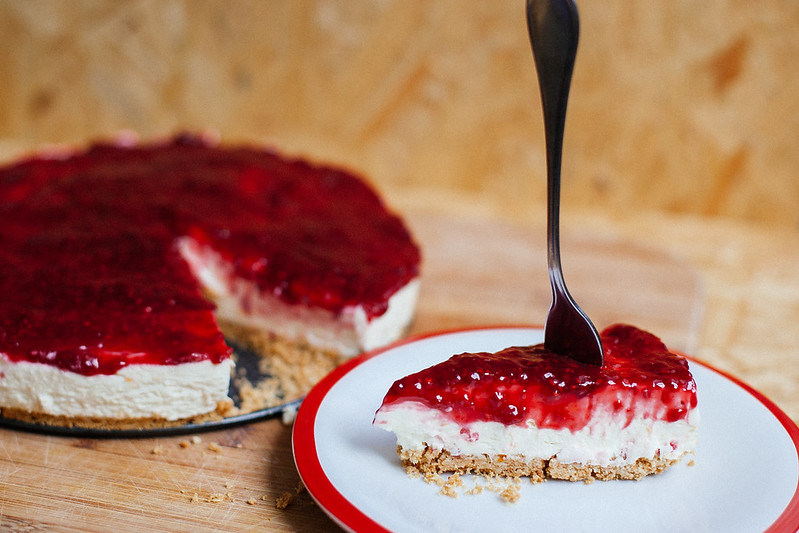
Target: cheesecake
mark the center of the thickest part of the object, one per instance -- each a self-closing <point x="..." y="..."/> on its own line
<point x="525" y="411"/>
<point x="127" y="269"/>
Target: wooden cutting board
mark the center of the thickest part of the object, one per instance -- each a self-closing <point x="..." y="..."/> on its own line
<point x="482" y="272"/>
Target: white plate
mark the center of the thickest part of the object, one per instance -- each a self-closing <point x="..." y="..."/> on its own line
<point x="745" y="475"/>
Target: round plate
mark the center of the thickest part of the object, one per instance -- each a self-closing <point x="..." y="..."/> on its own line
<point x="247" y="366"/>
<point x="744" y="477"/>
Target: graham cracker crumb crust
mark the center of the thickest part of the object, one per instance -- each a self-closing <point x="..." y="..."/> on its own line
<point x="108" y="424"/>
<point x="502" y="474"/>
<point x="293" y="368"/>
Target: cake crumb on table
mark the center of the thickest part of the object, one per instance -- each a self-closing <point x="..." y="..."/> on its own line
<point x="193" y="441"/>
<point x="287" y="497"/>
<point x="284" y="500"/>
<point x="288" y="415"/>
<point x="216" y="497"/>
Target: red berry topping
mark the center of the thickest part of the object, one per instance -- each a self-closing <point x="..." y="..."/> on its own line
<point x="91" y="279"/>
<point x="529" y="383"/>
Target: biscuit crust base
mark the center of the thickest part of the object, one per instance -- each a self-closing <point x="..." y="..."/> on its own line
<point x="101" y="423"/>
<point x="292" y="367"/>
<point x="430" y="461"/>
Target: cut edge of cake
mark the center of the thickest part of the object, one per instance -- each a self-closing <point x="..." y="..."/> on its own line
<point x="347" y="333"/>
<point x="431" y="442"/>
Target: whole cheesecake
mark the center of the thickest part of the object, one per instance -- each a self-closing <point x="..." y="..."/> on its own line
<point x="124" y="267"/>
<point x="525" y="411"/>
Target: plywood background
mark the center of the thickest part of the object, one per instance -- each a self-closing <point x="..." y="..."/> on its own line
<point x="677" y="105"/>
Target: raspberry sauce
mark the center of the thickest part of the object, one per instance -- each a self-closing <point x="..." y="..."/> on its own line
<point x="91" y="279"/>
<point x="640" y="377"/>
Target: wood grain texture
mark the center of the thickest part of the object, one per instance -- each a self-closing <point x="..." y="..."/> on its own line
<point x="677" y="106"/>
<point x="477" y="271"/>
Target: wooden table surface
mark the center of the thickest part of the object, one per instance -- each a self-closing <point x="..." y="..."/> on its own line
<point x="692" y="282"/>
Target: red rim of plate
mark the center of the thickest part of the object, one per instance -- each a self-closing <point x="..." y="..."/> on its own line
<point x="349" y="516"/>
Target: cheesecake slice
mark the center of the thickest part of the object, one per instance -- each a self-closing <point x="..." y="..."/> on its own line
<point x="524" y="411"/>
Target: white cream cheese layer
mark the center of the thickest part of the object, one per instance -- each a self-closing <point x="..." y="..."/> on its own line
<point x="348" y="333"/>
<point x="169" y="392"/>
<point x="604" y="441"/>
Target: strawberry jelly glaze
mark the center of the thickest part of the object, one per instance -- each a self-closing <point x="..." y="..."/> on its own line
<point x="91" y="279"/>
<point x="640" y="376"/>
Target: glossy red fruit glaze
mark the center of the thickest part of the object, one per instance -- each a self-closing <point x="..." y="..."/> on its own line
<point x="91" y="279"/>
<point x="640" y="377"/>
